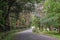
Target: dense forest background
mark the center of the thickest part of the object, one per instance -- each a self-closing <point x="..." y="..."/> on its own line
<point x="12" y="11"/>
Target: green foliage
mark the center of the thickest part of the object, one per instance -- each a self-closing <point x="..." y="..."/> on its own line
<point x="52" y="6"/>
<point x="52" y="10"/>
<point x="16" y="6"/>
<point x="36" y="21"/>
<point x="3" y="4"/>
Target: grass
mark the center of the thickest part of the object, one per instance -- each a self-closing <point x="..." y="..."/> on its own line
<point x="49" y="33"/>
<point x="1" y="33"/>
<point x="54" y="34"/>
<point x="9" y="35"/>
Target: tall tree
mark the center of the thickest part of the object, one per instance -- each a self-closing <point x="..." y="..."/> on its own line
<point x="52" y="8"/>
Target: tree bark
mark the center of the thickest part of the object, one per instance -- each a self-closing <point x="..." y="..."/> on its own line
<point x="41" y="28"/>
<point x="59" y="29"/>
<point x="51" y="28"/>
<point x="7" y="18"/>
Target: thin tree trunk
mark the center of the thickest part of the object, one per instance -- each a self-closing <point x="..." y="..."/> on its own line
<point x="7" y="18"/>
<point x="41" y="28"/>
<point x="59" y="29"/>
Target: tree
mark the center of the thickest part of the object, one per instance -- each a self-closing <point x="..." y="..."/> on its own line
<point x="51" y="7"/>
<point x="18" y="6"/>
<point x="36" y="21"/>
<point x="3" y="10"/>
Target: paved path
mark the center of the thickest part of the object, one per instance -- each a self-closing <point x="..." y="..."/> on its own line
<point x="28" y="35"/>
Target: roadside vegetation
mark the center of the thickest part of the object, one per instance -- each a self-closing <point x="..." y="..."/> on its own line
<point x="48" y="33"/>
<point x="14" y="15"/>
<point x="49" y="20"/>
<point x="43" y="15"/>
<point x="10" y="34"/>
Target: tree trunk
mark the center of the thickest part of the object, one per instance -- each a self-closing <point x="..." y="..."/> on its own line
<point x="51" y="28"/>
<point x="7" y="18"/>
<point x="59" y="29"/>
<point x="41" y="28"/>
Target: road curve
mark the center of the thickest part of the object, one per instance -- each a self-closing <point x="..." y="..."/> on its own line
<point x="28" y="35"/>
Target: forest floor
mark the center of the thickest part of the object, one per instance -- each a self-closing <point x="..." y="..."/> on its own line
<point x="29" y="35"/>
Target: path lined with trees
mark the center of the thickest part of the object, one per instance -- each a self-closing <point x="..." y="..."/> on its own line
<point x="49" y="16"/>
<point x="28" y="35"/>
<point x="43" y="15"/>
